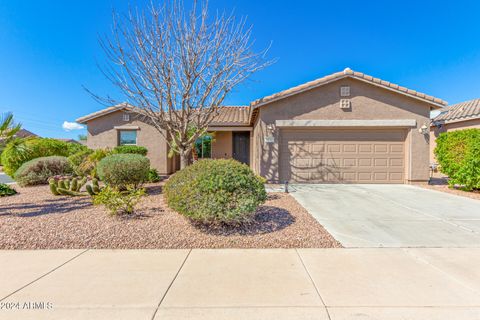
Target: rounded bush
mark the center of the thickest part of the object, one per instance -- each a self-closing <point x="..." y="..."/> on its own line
<point x="216" y="192"/>
<point x="37" y="171"/>
<point x="131" y="149"/>
<point x="458" y="153"/>
<point x="123" y="170"/>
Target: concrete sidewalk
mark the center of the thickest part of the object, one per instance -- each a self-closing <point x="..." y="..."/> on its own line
<point x="234" y="284"/>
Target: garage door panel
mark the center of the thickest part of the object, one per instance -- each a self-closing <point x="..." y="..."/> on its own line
<point x="342" y="156"/>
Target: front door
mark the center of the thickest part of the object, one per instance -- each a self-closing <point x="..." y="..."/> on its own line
<point x="241" y="146"/>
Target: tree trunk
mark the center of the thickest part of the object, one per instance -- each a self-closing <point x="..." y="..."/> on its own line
<point x="184" y="158"/>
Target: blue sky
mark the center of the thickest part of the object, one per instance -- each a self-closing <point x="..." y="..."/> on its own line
<point x="49" y="49"/>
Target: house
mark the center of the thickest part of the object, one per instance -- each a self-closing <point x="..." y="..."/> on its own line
<point x="347" y="127"/>
<point x="69" y="140"/>
<point x="464" y="115"/>
<point x="23" y="133"/>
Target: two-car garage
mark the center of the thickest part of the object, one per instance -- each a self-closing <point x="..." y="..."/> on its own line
<point x="347" y="127"/>
<point x="342" y="155"/>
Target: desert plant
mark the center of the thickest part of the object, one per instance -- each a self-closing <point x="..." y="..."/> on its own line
<point x="77" y="159"/>
<point x="94" y="188"/>
<point x="153" y="175"/>
<point x="88" y="167"/>
<point x="216" y="191"/>
<point x="6" y="190"/>
<point x="123" y="170"/>
<point x="19" y="151"/>
<point x="131" y="149"/>
<point x="39" y="170"/>
<point x="73" y="148"/>
<point x="458" y="153"/>
<point x="119" y="202"/>
<point x="67" y="186"/>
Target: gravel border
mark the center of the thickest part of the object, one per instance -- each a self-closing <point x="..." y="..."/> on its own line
<point x="446" y="189"/>
<point x="36" y="219"/>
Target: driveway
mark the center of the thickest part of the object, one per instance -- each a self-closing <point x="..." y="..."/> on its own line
<point x="5" y="179"/>
<point x="392" y="215"/>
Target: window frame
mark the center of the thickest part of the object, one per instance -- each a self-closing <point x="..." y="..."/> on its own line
<point x="119" y="142"/>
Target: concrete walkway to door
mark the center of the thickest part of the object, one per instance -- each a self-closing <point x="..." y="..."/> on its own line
<point x="271" y="284"/>
<point x="392" y="215"/>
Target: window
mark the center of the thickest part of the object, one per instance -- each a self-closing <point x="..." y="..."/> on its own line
<point x="126" y="117"/>
<point x="127" y="137"/>
<point x="203" y="146"/>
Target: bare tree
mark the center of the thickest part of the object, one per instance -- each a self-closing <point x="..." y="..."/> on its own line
<point x="176" y="66"/>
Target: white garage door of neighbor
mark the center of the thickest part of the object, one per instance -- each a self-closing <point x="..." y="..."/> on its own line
<point x="342" y="156"/>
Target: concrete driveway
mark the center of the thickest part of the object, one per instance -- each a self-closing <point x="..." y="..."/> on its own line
<point x="392" y="215"/>
<point x="5" y="179"/>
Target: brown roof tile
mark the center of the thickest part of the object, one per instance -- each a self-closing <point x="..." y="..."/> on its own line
<point x="467" y="110"/>
<point x="232" y="115"/>
<point x="227" y="115"/>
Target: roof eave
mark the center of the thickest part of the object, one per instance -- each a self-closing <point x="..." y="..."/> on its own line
<point x="258" y="103"/>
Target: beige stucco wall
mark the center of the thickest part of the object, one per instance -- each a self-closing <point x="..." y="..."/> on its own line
<point x="368" y="102"/>
<point x="435" y="132"/>
<point x="102" y="134"/>
<point x="222" y="145"/>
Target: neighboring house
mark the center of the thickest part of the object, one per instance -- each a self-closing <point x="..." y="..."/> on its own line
<point x="464" y="115"/>
<point x="67" y="140"/>
<point x="23" y="133"/>
<point x="347" y="127"/>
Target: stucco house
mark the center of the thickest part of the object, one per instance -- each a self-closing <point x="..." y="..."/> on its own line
<point x="464" y="115"/>
<point x="347" y="127"/>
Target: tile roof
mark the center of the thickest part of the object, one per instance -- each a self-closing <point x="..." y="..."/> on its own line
<point x="232" y="115"/>
<point x="24" y="133"/>
<point x="351" y="74"/>
<point x="102" y="112"/>
<point x="467" y="110"/>
<point x="227" y="115"/>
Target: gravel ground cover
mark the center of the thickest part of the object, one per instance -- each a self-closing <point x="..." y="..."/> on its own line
<point x="445" y="188"/>
<point x="36" y="219"/>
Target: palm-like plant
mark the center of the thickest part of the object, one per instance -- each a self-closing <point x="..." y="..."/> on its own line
<point x="8" y="128"/>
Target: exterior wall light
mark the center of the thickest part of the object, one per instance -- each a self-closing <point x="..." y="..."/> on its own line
<point x="423" y="129"/>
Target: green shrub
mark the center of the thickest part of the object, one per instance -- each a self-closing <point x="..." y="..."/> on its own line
<point x="6" y="190"/>
<point x="458" y="153"/>
<point x="122" y="170"/>
<point x="19" y="151"/>
<point x="153" y="175"/>
<point x="216" y="191"/>
<point x="119" y="202"/>
<point x="131" y="149"/>
<point x="77" y="159"/>
<point x="73" y="148"/>
<point x="88" y="167"/>
<point x="39" y="170"/>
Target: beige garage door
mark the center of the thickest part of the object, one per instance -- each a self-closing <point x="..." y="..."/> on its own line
<point x="342" y="156"/>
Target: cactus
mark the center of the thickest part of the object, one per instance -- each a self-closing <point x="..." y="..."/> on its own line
<point x="67" y="186"/>
<point x="94" y="188"/>
<point x="53" y="186"/>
